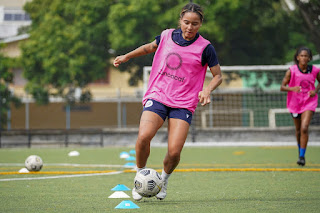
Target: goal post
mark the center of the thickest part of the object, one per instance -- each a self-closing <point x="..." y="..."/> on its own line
<point x="248" y="97"/>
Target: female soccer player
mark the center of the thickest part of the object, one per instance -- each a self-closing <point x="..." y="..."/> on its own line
<point x="175" y="87"/>
<point x="302" y="98"/>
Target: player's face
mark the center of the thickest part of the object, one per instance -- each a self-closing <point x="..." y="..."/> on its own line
<point x="303" y="57"/>
<point x="190" y="24"/>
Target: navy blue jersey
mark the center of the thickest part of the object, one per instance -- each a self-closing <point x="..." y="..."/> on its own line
<point x="209" y="55"/>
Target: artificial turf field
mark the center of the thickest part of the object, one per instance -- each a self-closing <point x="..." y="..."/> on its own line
<point x="208" y="179"/>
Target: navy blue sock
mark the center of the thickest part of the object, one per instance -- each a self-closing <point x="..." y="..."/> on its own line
<point x="299" y="148"/>
<point x="302" y="152"/>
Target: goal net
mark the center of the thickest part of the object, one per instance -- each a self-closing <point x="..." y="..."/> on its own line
<point x="248" y="97"/>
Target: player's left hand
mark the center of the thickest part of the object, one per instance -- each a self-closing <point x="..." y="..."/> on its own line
<point x="204" y="98"/>
<point x="312" y="93"/>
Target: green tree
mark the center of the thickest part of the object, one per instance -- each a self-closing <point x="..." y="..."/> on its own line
<point x="242" y="32"/>
<point x="252" y="32"/>
<point x="6" y="96"/>
<point x="67" y="48"/>
<point x="310" y="13"/>
<point x="136" y="22"/>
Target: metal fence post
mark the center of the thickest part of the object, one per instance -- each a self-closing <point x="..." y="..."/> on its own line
<point x="193" y="128"/>
<point x="68" y="124"/>
<point x="29" y="138"/>
<point x="9" y="119"/>
<point x="66" y="139"/>
<point x="27" y="113"/>
<point x="101" y="138"/>
<point x="211" y="112"/>
<point x="119" y="108"/>
<point x="68" y="116"/>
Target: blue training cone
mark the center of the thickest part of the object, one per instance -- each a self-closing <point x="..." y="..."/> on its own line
<point x="131" y="158"/>
<point x="129" y="165"/>
<point x="132" y="151"/>
<point x="127" y="204"/>
<point x="120" y="187"/>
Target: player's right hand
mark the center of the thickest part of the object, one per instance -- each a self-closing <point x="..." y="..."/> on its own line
<point x="119" y="60"/>
<point x="296" y="89"/>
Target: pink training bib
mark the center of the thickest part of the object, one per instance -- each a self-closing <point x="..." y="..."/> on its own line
<point x="299" y="102"/>
<point x="177" y="74"/>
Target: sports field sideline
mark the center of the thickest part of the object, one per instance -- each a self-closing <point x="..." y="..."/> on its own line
<point x="208" y="179"/>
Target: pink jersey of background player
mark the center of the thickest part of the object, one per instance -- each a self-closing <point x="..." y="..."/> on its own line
<point x="301" y="101"/>
<point x="177" y="74"/>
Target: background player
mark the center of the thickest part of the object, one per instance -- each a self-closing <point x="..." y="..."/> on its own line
<point x="302" y="98"/>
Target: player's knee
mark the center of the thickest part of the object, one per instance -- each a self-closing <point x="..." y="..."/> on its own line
<point x="143" y="139"/>
<point x="304" y="129"/>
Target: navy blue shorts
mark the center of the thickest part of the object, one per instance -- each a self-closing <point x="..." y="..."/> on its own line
<point x="164" y="111"/>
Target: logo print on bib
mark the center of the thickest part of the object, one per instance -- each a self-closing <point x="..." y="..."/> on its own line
<point x="149" y="103"/>
<point x="173" y="61"/>
<point x="305" y="86"/>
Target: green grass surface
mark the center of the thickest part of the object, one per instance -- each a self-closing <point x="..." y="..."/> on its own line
<point x="225" y="191"/>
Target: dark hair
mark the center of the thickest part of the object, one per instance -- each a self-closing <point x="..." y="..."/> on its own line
<point x="299" y="50"/>
<point x="192" y="7"/>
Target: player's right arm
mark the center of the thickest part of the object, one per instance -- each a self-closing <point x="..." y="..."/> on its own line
<point x="286" y="81"/>
<point x="142" y="50"/>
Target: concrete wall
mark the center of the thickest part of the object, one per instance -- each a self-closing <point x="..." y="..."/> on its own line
<point x="127" y="137"/>
<point x="90" y="115"/>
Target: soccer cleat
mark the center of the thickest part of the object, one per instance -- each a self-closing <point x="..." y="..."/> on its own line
<point x="301" y="161"/>
<point x="135" y="195"/>
<point x="163" y="193"/>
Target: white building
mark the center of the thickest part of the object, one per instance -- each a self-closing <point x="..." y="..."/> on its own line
<point x="12" y="17"/>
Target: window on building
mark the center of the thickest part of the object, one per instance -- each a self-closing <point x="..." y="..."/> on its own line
<point x="8" y="17"/>
<point x="16" y="17"/>
<point x="27" y="17"/>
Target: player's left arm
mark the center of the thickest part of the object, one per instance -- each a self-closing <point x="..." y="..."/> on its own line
<point x="204" y="95"/>
<point x="312" y="93"/>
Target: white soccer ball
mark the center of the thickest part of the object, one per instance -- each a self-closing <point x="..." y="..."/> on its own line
<point x="33" y="163"/>
<point x="148" y="182"/>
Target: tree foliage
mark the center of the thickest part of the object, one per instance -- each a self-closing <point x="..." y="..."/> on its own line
<point x="135" y="22"/>
<point x="67" y="48"/>
<point x="70" y="40"/>
<point x="242" y="32"/>
<point x="310" y="12"/>
<point x="6" y="96"/>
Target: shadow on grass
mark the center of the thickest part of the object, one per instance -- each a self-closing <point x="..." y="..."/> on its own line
<point x="154" y="201"/>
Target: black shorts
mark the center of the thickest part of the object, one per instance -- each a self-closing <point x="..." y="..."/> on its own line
<point x="164" y="111"/>
<point x="296" y="115"/>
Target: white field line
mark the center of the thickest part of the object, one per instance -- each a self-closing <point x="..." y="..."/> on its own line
<point x="61" y="176"/>
<point x="84" y="165"/>
<point x="70" y="164"/>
